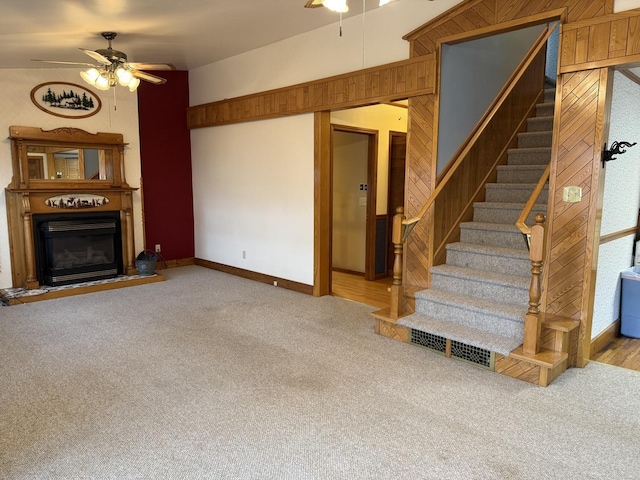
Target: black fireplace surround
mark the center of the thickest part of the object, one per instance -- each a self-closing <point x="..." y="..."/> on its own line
<point x="77" y="247"/>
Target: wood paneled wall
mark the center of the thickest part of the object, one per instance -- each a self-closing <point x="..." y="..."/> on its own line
<point x="579" y="133"/>
<point x="420" y="182"/>
<point x="394" y="81"/>
<point x="605" y="41"/>
<point x="479" y="14"/>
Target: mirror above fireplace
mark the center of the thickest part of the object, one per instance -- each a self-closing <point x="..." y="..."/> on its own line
<point x="69" y="156"/>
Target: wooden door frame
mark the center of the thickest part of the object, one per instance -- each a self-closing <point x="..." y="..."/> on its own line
<point x="372" y="180"/>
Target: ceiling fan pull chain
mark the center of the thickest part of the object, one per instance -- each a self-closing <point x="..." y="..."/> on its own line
<point x="340" y="23"/>
<point x="115" y="106"/>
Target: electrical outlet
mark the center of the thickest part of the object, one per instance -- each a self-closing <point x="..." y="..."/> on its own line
<point x="275" y="283"/>
<point x="158" y="249"/>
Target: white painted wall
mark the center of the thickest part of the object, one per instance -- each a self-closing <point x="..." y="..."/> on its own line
<point x="16" y="108"/>
<point x="620" y="204"/>
<point x="253" y="192"/>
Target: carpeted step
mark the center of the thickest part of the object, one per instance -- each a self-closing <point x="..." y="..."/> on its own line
<point x="540" y="124"/>
<point x="460" y="333"/>
<point x="545" y="109"/>
<point x="495" y="212"/>
<point x="505" y="235"/>
<point x="550" y="95"/>
<point x="535" y="139"/>
<point x="486" y="315"/>
<point x="529" y="156"/>
<point x="510" y="261"/>
<point x="520" y="173"/>
<point x="511" y="289"/>
<point x="513" y="192"/>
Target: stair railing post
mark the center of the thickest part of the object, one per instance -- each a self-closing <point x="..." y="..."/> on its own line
<point x="396" y="289"/>
<point x="533" y="320"/>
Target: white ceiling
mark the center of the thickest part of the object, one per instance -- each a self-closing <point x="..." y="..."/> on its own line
<point x="187" y="33"/>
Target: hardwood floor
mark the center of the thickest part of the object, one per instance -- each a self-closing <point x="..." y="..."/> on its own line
<point x="622" y="352"/>
<point x="355" y="287"/>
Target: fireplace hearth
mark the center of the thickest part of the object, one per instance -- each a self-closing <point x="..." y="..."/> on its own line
<point x="75" y="247"/>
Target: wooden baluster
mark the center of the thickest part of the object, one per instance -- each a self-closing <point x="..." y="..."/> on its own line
<point x="533" y="321"/>
<point x="397" y="291"/>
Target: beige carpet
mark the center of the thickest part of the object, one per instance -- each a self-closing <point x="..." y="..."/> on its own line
<point x="211" y="376"/>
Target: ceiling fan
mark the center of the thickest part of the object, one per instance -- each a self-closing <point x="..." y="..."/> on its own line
<point x="113" y="68"/>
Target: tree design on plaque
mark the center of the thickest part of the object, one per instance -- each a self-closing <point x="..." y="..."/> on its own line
<point x="76" y="201"/>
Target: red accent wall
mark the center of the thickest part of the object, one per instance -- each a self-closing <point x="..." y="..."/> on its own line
<point x="165" y="151"/>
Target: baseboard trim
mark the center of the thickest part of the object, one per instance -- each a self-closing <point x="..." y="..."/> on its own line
<point x="180" y="262"/>
<point x="258" y="277"/>
<point x="608" y="335"/>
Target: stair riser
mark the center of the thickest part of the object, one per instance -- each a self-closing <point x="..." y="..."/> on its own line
<point x="529" y="157"/>
<point x="540" y="124"/>
<point x="511" y="193"/>
<point x="504" y="215"/>
<point x="492" y="237"/>
<point x="476" y="319"/>
<point x="545" y="110"/>
<point x="485" y="291"/>
<point x="520" y="175"/>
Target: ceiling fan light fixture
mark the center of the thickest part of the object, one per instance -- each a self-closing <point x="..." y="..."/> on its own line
<point x="124" y="76"/>
<point x="133" y="84"/>
<point x="339" y="6"/>
<point x="90" y="76"/>
<point x="102" y="82"/>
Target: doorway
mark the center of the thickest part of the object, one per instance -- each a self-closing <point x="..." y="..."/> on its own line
<point x="353" y="171"/>
<point x="397" y="163"/>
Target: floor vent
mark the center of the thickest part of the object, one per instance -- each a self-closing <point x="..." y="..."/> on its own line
<point x="471" y="354"/>
<point x="429" y="340"/>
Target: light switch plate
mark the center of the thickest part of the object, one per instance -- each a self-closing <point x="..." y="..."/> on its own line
<point x="572" y="194"/>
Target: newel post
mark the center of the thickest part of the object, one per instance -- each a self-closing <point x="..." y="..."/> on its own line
<point x="397" y="291"/>
<point x="533" y="321"/>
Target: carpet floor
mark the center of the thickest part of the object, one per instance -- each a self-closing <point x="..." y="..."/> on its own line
<point x="211" y="376"/>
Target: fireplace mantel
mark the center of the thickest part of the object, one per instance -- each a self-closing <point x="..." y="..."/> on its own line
<point x="32" y="192"/>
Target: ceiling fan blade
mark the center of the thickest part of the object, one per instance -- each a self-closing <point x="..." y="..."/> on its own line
<point x="313" y="4"/>
<point x="97" y="56"/>
<point x="148" y="77"/>
<point x="64" y="63"/>
<point x="151" y="66"/>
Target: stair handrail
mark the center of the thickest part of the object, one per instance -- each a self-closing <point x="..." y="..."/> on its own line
<point x="409" y="223"/>
<point x="521" y="222"/>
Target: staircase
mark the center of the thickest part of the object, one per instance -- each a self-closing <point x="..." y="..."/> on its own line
<point x="476" y="306"/>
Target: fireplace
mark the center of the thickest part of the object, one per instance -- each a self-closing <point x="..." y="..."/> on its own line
<point x="77" y="247"/>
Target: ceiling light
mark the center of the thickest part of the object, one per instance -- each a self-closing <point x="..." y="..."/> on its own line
<point x="102" y="82"/>
<point x="90" y="76"/>
<point x="133" y="84"/>
<point x="336" y="5"/>
<point x="124" y="76"/>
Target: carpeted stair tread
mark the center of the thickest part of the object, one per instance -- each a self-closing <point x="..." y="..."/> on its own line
<point x="494" y="227"/>
<point x="540" y="124"/>
<point x="507" y="260"/>
<point x="470" y="336"/>
<point x="489" y="250"/>
<point x="486" y="315"/>
<point x="483" y="284"/>
<point x="535" y="139"/>
<point x="505" y="311"/>
<point x="503" y="212"/>
<point x="518" y="281"/>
